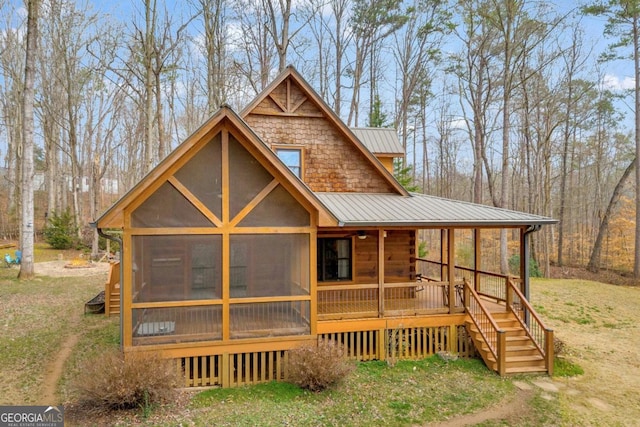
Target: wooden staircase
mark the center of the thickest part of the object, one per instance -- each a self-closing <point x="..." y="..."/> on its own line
<point x="112" y="291"/>
<point x="512" y="339"/>
<point x="521" y="354"/>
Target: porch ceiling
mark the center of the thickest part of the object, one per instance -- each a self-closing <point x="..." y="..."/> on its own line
<point x="420" y="210"/>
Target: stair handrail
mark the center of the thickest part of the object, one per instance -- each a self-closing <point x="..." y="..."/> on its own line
<point x="545" y="348"/>
<point x="496" y="345"/>
<point x="110" y="285"/>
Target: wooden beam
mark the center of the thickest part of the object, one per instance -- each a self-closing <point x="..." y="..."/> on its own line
<point x="278" y="103"/>
<point x="477" y="264"/>
<point x="451" y="243"/>
<point x="298" y="104"/>
<point x="253" y="203"/>
<point x="195" y="201"/>
<point x="381" y="258"/>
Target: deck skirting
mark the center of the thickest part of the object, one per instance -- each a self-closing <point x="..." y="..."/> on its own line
<point x="393" y="341"/>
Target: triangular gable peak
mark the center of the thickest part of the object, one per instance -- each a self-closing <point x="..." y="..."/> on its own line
<point x="289" y="114"/>
<point x="221" y="175"/>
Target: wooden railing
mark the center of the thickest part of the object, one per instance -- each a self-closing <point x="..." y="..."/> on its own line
<point x="112" y="290"/>
<point x="494" y="337"/>
<point x="485" y="283"/>
<point x="406" y="298"/>
<point x="530" y="321"/>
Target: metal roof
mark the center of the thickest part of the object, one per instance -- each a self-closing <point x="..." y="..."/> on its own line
<point x="365" y="209"/>
<point x="379" y="140"/>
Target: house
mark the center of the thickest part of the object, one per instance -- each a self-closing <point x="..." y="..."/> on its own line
<point x="278" y="226"/>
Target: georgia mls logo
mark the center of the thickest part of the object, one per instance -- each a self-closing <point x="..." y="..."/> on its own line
<point x="31" y="416"/>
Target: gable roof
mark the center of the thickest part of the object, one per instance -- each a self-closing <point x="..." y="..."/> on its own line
<point x="380" y="141"/>
<point x="114" y="216"/>
<point x="313" y="97"/>
<point x="420" y="210"/>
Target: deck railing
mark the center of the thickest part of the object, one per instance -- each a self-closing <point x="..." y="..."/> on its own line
<point x="494" y="337"/>
<point x="541" y="336"/>
<point x="406" y="298"/>
<point x="485" y="283"/>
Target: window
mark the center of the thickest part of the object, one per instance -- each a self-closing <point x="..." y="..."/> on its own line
<point x="292" y="157"/>
<point x="334" y="259"/>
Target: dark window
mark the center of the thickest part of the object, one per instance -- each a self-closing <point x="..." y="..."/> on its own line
<point x="334" y="259"/>
<point x="292" y="157"/>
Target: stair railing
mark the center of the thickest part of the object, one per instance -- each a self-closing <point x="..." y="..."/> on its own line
<point x="110" y="287"/>
<point x="541" y="336"/>
<point x="493" y="336"/>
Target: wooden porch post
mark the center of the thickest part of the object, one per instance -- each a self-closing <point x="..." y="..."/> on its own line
<point x="381" y="273"/>
<point x="524" y="258"/>
<point x="452" y="273"/>
<point x="443" y="254"/>
<point x="477" y="261"/>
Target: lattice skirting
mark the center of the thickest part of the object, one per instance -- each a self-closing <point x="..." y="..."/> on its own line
<point x="232" y="370"/>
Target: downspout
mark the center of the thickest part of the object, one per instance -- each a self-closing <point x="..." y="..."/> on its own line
<point x="526" y="251"/>
<point x="119" y="242"/>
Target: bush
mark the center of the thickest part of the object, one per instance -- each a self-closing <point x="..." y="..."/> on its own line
<point x="316" y="368"/>
<point x="61" y="233"/>
<point x="111" y="382"/>
<point x="514" y="266"/>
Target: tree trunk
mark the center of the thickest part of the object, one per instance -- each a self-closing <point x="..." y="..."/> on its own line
<point x="594" y="260"/>
<point x="636" y="69"/>
<point x="27" y="235"/>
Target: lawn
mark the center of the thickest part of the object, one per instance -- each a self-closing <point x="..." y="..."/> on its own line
<point x="596" y="322"/>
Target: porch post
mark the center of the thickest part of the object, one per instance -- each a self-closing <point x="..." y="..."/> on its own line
<point x="477" y="258"/>
<point x="381" y="273"/>
<point x="452" y="273"/>
<point x="443" y="254"/>
<point x="524" y="263"/>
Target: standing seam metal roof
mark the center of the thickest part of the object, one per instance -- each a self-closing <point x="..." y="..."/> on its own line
<point x="362" y="209"/>
<point x="379" y="140"/>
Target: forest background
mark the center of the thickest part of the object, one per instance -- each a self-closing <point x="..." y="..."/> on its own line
<point x="525" y="105"/>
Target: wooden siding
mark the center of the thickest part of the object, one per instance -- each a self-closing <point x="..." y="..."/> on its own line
<point x="399" y="256"/>
<point x="332" y="164"/>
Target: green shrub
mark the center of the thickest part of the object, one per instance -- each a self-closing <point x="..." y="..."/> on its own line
<point x="111" y="381"/>
<point x="316" y="368"/>
<point x="61" y="232"/>
<point x="565" y="368"/>
<point x="514" y="266"/>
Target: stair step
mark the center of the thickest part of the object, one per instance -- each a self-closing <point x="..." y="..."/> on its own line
<point x="525" y="369"/>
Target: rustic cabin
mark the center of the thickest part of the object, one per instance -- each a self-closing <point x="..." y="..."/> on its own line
<point x="281" y="225"/>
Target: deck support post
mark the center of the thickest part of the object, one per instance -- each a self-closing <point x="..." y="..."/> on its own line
<point x="226" y="371"/>
<point x="382" y="344"/>
<point x="452" y="342"/>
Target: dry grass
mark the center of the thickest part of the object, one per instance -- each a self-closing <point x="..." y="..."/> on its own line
<point x="598" y="324"/>
<point x="36" y="316"/>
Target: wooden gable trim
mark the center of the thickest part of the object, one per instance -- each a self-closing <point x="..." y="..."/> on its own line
<point x="280" y="171"/>
<point x="224" y="121"/>
<point x="114" y="216"/>
<point x="291" y="74"/>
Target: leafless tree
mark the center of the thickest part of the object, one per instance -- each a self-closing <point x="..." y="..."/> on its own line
<point x="27" y="235"/>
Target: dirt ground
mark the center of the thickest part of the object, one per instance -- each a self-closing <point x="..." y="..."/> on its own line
<point x="65" y="268"/>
